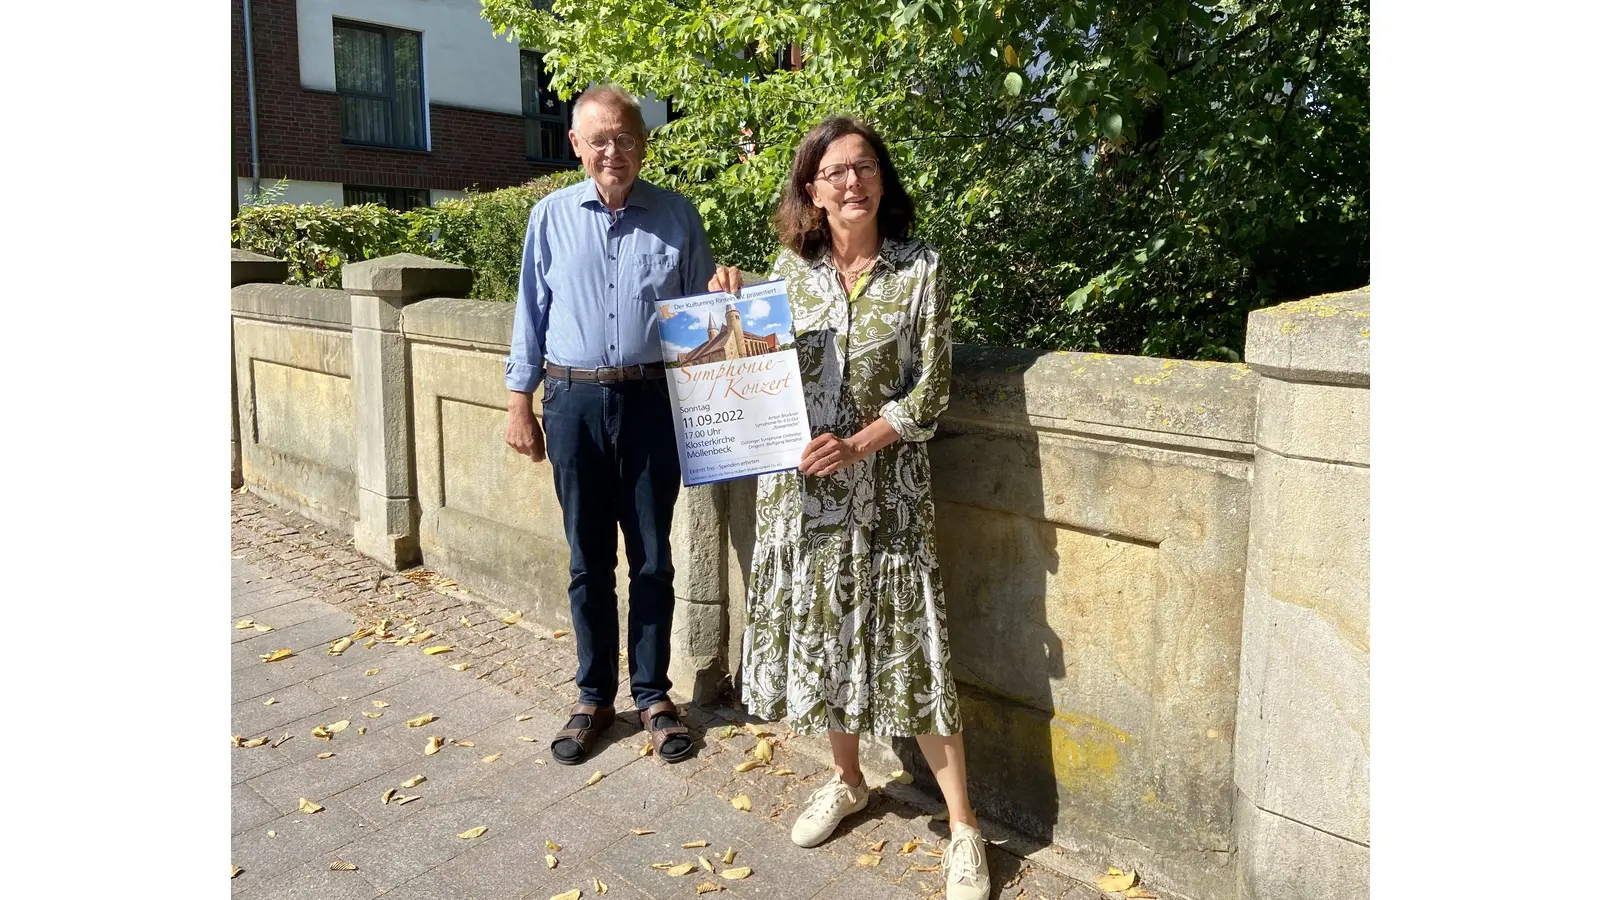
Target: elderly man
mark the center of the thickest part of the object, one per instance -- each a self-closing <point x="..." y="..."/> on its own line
<point x="597" y="258"/>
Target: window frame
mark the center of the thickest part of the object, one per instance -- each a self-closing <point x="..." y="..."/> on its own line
<point x="388" y="33"/>
<point x="533" y="119"/>
<point x="391" y="193"/>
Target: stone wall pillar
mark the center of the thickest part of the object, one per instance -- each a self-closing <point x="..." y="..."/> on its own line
<point x="699" y="668"/>
<point x="381" y="382"/>
<point x="246" y="268"/>
<point x="1301" y="750"/>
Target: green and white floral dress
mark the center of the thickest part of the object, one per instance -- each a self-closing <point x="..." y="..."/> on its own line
<point x="846" y="610"/>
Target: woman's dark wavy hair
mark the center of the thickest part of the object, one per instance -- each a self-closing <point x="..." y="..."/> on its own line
<point x="801" y="226"/>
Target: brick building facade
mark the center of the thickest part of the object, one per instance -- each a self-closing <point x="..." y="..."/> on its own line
<point x="298" y="127"/>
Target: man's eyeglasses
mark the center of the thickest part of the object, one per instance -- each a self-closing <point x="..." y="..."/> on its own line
<point x="624" y="142"/>
<point x="866" y="170"/>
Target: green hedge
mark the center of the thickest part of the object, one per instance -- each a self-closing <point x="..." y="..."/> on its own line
<point x="483" y="231"/>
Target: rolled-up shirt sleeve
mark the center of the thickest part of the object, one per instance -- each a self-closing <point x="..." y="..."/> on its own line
<point x="914" y="415"/>
<point x="525" y="365"/>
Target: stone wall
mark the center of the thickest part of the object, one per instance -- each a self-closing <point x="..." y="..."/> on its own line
<point x="1302" y="752"/>
<point x="1156" y="570"/>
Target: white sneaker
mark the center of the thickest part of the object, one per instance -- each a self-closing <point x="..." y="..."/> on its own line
<point x="829" y="804"/>
<point x="966" y="869"/>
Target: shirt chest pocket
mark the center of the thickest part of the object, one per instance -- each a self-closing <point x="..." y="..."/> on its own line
<point x="654" y="276"/>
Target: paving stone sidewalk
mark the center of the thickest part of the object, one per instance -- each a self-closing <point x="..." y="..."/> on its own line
<point x="497" y="687"/>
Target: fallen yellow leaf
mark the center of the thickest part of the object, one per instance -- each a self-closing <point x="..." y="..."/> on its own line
<point x="594" y="779"/>
<point x="756" y="730"/>
<point x="413" y="782"/>
<point x="901" y="776"/>
<point x="308" y="807"/>
<point x="527" y="740"/>
<point x="236" y="869"/>
<point x="923" y="868"/>
<point x="434" y="743"/>
<point x="680" y="870"/>
<point x="263" y="628"/>
<point x="318" y="731"/>
<point x="558" y="634"/>
<point x="748" y="764"/>
<point x="569" y="895"/>
<point x="741" y="802"/>
<point x="600" y="886"/>
<point x="642" y="831"/>
<point x="878" y="847"/>
<point x="242" y="624"/>
<point x="1116" y="880"/>
<point x="727" y="857"/>
<point x="276" y="655"/>
<point x="736" y="874"/>
<point x="380" y="704"/>
<point x="328" y="755"/>
<point x="1138" y="893"/>
<point x="238" y="739"/>
<point x="369" y="644"/>
<point x="402" y="801"/>
<point x="550" y="862"/>
<point x="465" y="623"/>
<point x="727" y="731"/>
<point x="339" y="726"/>
<point x="524" y="717"/>
<point x="372" y="715"/>
<point x="461" y="667"/>
<point x="370" y="672"/>
<point x="388" y="795"/>
<point x="340" y="865"/>
<point x="270" y="701"/>
<point x="868" y="859"/>
<point x="552" y="846"/>
<point x="361" y="729"/>
<point x="707" y="887"/>
<point x="661" y="865"/>
<point x="763" y="750"/>
<point x="340" y="646"/>
<point x="909" y="848"/>
<point x="419" y="638"/>
<point x="462" y="743"/>
<point x="421" y="720"/>
<point x="782" y="772"/>
<point x="272" y="834"/>
<point x="253" y="742"/>
<point x="512" y="619"/>
<point x="693" y="844"/>
<point x="471" y="833"/>
<point x="647" y="749"/>
<point x="706" y="864"/>
<point x="491" y="757"/>
<point x="436" y="650"/>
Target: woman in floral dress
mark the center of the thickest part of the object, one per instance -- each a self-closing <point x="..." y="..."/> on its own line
<point x="846" y="609"/>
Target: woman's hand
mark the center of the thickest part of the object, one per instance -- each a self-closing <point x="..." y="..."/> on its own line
<point x="827" y="454"/>
<point x="727" y="279"/>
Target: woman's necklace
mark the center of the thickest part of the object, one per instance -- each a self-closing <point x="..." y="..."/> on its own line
<point x="848" y="276"/>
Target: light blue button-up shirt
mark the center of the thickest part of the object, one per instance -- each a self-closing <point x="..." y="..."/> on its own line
<point x="590" y="280"/>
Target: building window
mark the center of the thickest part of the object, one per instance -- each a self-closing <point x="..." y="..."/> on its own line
<point x="378" y="72"/>
<point x="546" y="117"/>
<point x="394" y="198"/>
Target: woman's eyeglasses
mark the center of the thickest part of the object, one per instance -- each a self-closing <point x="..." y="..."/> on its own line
<point x="866" y="170"/>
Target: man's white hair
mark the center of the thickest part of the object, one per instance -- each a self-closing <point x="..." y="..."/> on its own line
<point x="615" y="97"/>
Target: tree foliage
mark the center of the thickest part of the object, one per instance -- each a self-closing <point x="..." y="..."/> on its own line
<point x="1126" y="176"/>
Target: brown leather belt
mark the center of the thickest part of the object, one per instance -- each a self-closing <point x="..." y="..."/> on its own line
<point x="607" y="374"/>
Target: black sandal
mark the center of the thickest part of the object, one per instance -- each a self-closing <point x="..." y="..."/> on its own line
<point x="573" y="744"/>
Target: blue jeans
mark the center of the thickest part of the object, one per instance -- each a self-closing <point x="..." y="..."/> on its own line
<point x="615" y="459"/>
